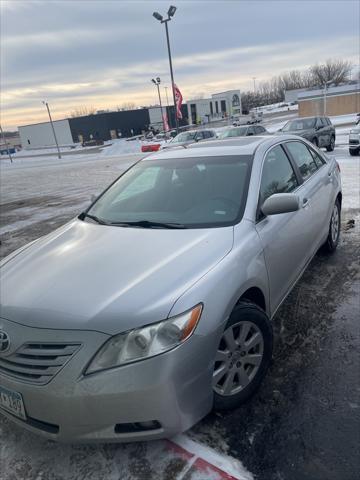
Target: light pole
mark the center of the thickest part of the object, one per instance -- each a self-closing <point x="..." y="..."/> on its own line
<point x="157" y="82"/>
<point x="325" y="91"/>
<point x="254" y="78"/>
<point x="6" y="144"/>
<point x="170" y="14"/>
<point x="53" y="129"/>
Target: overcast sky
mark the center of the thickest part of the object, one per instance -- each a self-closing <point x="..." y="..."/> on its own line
<point x="102" y="53"/>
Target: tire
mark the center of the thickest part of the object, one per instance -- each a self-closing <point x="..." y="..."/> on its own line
<point x="331" y="146"/>
<point x="334" y="229"/>
<point x="353" y="152"/>
<point x="315" y="142"/>
<point x="250" y="323"/>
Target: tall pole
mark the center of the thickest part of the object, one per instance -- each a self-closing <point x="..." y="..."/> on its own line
<point x="254" y="78"/>
<point x="53" y="129"/>
<point x="171" y="73"/>
<point x="161" y="108"/>
<point x="6" y="144"/>
<point x="325" y="87"/>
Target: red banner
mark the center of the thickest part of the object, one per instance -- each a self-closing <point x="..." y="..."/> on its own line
<point x="178" y="100"/>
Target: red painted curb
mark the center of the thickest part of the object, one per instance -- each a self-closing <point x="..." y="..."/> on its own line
<point x="200" y="464"/>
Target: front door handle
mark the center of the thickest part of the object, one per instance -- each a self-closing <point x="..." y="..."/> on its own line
<point x="305" y="202"/>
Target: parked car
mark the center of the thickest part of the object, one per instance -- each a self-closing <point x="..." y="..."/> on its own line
<point x="191" y="136"/>
<point x="135" y="319"/>
<point x="318" y="130"/>
<point x="354" y="141"/>
<point x="244" y="131"/>
<point x="249" y="119"/>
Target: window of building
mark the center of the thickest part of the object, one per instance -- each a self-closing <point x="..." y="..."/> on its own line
<point x="211" y="108"/>
<point x="217" y="107"/>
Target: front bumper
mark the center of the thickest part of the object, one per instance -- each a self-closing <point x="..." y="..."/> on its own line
<point x="173" y="390"/>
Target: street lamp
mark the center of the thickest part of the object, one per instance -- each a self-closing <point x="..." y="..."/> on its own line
<point x="157" y="82"/>
<point x="325" y="91"/>
<point x="53" y="129"/>
<point x="161" y="19"/>
<point x="254" y="78"/>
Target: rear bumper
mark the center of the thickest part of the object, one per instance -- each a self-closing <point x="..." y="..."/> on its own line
<point x="172" y="390"/>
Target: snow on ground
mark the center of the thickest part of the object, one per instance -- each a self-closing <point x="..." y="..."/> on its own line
<point x="39" y="194"/>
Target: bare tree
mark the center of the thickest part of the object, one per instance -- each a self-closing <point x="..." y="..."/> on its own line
<point x="126" y="106"/>
<point x="333" y="71"/>
<point x="82" y="111"/>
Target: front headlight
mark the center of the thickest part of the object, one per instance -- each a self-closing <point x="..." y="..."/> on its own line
<point x="145" y="342"/>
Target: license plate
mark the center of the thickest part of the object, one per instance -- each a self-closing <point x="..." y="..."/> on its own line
<point x="12" y="402"/>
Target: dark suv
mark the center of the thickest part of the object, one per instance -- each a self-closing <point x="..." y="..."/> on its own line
<point x="319" y="130"/>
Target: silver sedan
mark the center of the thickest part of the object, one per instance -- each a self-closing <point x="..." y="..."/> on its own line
<point x="154" y="306"/>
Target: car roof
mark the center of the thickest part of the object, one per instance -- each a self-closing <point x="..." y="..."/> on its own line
<point x="228" y="146"/>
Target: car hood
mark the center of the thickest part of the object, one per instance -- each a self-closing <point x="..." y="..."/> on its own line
<point x="106" y="278"/>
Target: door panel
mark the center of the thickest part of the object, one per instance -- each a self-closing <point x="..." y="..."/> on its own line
<point x="286" y="238"/>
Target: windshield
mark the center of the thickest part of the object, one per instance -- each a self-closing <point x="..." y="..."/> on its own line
<point x="234" y="132"/>
<point x="189" y="192"/>
<point x="303" y="124"/>
<point x="184" y="137"/>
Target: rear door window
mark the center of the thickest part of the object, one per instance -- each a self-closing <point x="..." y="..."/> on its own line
<point x="303" y="158"/>
<point x="317" y="158"/>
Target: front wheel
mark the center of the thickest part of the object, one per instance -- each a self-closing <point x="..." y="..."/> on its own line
<point x="334" y="229"/>
<point x="315" y="142"/>
<point x="353" y="152"/>
<point x="243" y="356"/>
<point x="331" y="146"/>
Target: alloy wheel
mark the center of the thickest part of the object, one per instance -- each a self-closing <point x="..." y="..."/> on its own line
<point x="335" y="224"/>
<point x="238" y="358"/>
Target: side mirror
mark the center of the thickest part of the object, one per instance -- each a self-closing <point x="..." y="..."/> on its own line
<point x="250" y="133"/>
<point x="280" y="203"/>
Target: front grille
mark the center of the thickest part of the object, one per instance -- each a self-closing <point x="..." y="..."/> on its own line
<point x="354" y="142"/>
<point x="38" y="362"/>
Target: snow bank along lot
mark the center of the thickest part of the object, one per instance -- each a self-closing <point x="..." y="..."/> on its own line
<point x="296" y="427"/>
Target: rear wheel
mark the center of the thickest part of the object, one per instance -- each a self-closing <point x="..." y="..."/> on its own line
<point x="243" y="356"/>
<point x="331" y="146"/>
<point x="334" y="229"/>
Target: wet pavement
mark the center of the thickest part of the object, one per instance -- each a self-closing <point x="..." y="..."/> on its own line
<point x="304" y="422"/>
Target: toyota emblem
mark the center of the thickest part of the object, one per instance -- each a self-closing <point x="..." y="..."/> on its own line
<point x="4" y="342"/>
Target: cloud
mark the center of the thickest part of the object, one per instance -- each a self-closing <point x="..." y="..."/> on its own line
<point x="102" y="53"/>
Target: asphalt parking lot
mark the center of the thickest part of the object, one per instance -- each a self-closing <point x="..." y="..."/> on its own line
<point x="303" y="424"/>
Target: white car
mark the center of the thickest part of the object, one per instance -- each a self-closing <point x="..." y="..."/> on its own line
<point x="354" y="141"/>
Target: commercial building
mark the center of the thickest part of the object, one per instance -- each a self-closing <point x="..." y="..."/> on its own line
<point x="340" y="100"/>
<point x="220" y="105"/>
<point x="107" y="125"/>
<point x="101" y="126"/>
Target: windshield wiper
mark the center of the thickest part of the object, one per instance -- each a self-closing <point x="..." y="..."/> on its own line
<point x="93" y="217"/>
<point x="149" y="224"/>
